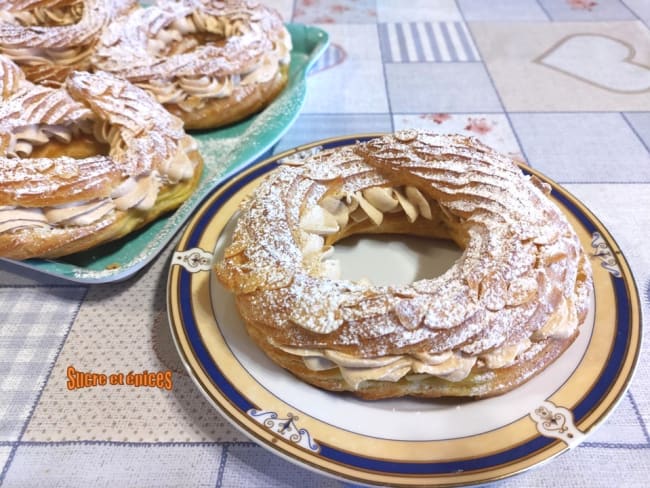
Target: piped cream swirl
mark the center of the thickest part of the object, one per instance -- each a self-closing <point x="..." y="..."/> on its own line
<point x="20" y="218"/>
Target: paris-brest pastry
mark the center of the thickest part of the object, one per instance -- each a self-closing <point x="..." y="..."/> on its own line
<point x="210" y="63"/>
<point x="86" y="163"/>
<point x="51" y="38"/>
<point x="504" y="311"/>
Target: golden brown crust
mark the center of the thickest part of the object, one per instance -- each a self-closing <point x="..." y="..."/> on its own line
<point x="502" y="313"/>
<point x="56" y="181"/>
<point x="10" y="77"/>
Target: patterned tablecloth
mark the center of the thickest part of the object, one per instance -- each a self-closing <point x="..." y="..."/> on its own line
<point x="561" y="84"/>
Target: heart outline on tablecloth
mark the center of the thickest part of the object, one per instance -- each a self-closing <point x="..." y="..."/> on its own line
<point x="545" y="58"/>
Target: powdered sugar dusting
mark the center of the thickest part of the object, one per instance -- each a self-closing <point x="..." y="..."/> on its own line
<point x="483" y="302"/>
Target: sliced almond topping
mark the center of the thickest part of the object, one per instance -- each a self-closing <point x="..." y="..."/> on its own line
<point x="406" y="135"/>
<point x="492" y="291"/>
<point x="410" y="312"/>
<point x="521" y="290"/>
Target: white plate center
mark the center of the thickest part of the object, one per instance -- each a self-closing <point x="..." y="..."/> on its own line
<point x="405" y="259"/>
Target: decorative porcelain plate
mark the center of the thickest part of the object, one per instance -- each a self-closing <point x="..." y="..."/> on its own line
<point x="223" y="150"/>
<point x="402" y="442"/>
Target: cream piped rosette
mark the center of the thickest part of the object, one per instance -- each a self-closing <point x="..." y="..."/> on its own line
<point x="51" y="38"/>
<point x="85" y="164"/>
<point x="211" y="63"/>
<point x="504" y="311"/>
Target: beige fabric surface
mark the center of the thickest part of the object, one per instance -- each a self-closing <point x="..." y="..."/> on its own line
<point x="567" y="66"/>
<point x="122" y="328"/>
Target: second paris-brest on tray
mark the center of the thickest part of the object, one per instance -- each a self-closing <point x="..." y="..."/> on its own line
<point x="85" y="163"/>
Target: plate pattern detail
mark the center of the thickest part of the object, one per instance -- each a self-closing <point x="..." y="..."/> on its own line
<point x="603" y="252"/>
<point x="285" y="427"/>
<point x="557" y="422"/>
<point x="193" y="260"/>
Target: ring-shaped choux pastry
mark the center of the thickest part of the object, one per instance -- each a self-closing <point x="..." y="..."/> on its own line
<point x="210" y="63"/>
<point x="507" y="308"/>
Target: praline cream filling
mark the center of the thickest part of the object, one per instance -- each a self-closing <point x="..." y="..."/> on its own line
<point x="68" y="56"/>
<point x="78" y="213"/>
<point x="16" y="218"/>
<point x="138" y="192"/>
<point x="107" y="133"/>
<point x="24" y="139"/>
<point x="180" y="167"/>
<point x="335" y="213"/>
<point x="192" y="92"/>
<point x="331" y="216"/>
<point x="51" y="16"/>
<point x="450" y="366"/>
